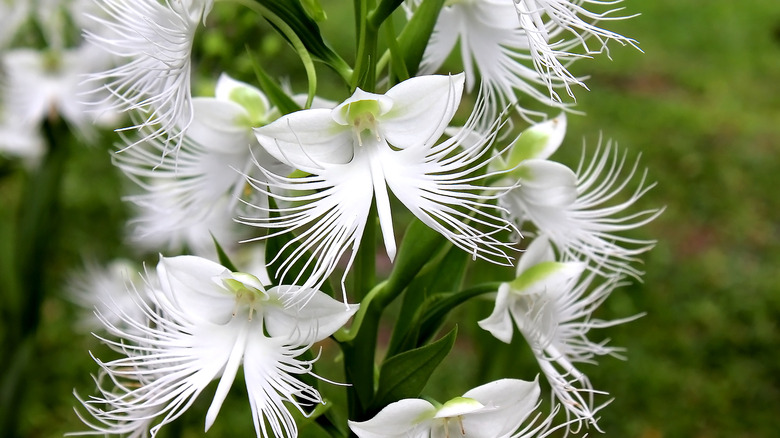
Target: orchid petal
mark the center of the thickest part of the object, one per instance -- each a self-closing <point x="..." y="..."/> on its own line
<point x="499" y="323"/>
<point x="538" y="251"/>
<point x="185" y="275"/>
<point x="306" y="322"/>
<point x="217" y="117"/>
<point x="229" y="372"/>
<point x="547" y="183"/>
<point x="508" y="402"/>
<point x="342" y="113"/>
<point x="539" y="141"/>
<point x="250" y="98"/>
<point x="307" y="140"/>
<point x="401" y="419"/>
<point x="422" y="108"/>
<point x="270" y="371"/>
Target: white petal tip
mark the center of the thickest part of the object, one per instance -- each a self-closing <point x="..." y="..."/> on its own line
<point x="391" y="250"/>
<point x="210" y="418"/>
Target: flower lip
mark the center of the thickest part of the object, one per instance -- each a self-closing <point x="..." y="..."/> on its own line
<point x="359" y="105"/>
<point x="248" y="289"/>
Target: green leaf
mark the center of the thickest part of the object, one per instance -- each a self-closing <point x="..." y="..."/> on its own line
<point x="275" y="94"/>
<point x="420" y="245"/>
<point x="414" y="38"/>
<point x="446" y="274"/>
<point x="405" y="375"/>
<point x="397" y="62"/>
<point x="437" y="307"/>
<point x="314" y="10"/>
<point x="383" y="11"/>
<point x="224" y="260"/>
<point x="294" y="15"/>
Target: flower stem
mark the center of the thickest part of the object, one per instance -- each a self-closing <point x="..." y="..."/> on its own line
<point x="35" y="228"/>
<point x="364" y="74"/>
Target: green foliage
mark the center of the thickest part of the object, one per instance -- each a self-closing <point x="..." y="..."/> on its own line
<point x="415" y="35"/>
<point x="276" y="95"/>
<point x="293" y="14"/>
<point x="405" y="375"/>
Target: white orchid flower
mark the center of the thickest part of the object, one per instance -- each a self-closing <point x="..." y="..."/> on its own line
<point x="205" y="322"/>
<point x="518" y="46"/>
<point x="42" y="84"/>
<point x="573" y="208"/>
<point x="547" y="24"/>
<point x="195" y="192"/>
<point x="13" y="14"/>
<point x="494" y="410"/>
<point x="107" y="291"/>
<point x="152" y="41"/>
<point x="355" y="151"/>
<point x="550" y="305"/>
<point x="493" y="42"/>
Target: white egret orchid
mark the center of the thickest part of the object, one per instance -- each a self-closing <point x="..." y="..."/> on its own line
<point x="205" y="322"/>
<point x="494" y="410"/>
<point x="518" y="46"/>
<point x="550" y="304"/>
<point x="107" y="291"/>
<point x="546" y="24"/>
<point x="153" y="42"/>
<point x="492" y="42"/>
<point x="195" y="192"/>
<point x="575" y="209"/>
<point x="41" y="84"/>
<point x="354" y="152"/>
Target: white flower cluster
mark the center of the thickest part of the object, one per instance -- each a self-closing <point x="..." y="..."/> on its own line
<point x="205" y="166"/>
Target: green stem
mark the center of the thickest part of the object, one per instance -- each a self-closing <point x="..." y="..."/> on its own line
<point x="398" y="63"/>
<point x="364" y="74"/>
<point x="359" y="347"/>
<point x="36" y="226"/>
<point x="13" y="380"/>
<point x="383" y="11"/>
<point x="364" y="272"/>
<point x="292" y="37"/>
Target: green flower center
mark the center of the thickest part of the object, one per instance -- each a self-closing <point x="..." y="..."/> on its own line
<point x="252" y="103"/>
<point x="247" y="297"/>
<point x="361" y="115"/>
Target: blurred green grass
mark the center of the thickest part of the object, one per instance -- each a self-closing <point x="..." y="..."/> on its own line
<point x="702" y="106"/>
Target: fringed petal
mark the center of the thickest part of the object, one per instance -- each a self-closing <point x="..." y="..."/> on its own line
<point x="152" y="40"/>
